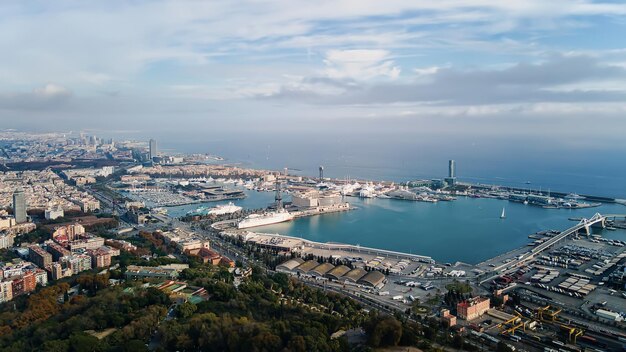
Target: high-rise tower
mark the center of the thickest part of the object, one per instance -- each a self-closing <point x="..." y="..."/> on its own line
<point x="451" y="169"/>
<point x="153" y="148"/>
<point x="19" y="206"/>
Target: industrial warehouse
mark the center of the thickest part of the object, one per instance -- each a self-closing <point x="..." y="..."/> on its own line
<point x="342" y="273"/>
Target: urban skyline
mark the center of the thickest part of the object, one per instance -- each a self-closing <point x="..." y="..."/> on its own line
<point x="473" y="66"/>
<point x="351" y="175"/>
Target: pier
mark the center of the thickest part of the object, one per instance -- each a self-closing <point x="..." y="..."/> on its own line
<point x="598" y="220"/>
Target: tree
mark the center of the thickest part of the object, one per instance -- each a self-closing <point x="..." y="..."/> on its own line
<point x="84" y="343"/>
<point x="385" y="332"/>
<point x="186" y="310"/>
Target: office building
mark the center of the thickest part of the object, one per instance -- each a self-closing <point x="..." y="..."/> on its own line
<point x="451" y="169"/>
<point x="19" y="206"/>
<point x="153" y="148"/>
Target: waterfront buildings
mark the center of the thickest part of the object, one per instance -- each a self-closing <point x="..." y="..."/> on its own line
<point x="342" y="273"/>
<point x="451" y="169"/>
<point x="472" y="308"/>
<point x="451" y="179"/>
<point x="19" y="206"/>
<point x="314" y="198"/>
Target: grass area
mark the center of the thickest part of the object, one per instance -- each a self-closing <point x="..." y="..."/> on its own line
<point x="420" y="309"/>
<point x="460" y="287"/>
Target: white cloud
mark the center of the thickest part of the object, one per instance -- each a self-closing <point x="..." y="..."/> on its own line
<point x="51" y="90"/>
<point x="360" y="64"/>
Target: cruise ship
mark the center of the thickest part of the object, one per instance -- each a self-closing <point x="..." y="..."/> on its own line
<point x="267" y="218"/>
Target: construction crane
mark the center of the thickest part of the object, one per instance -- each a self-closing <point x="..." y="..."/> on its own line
<point x="548" y="313"/>
<point x="573" y="332"/>
<point x="511" y="325"/>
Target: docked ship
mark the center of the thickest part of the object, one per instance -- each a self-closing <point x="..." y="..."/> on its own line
<point x="225" y="209"/>
<point x="266" y="218"/>
<point x="218" y="210"/>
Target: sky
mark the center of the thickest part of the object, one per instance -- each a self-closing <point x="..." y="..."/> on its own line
<point x="520" y="69"/>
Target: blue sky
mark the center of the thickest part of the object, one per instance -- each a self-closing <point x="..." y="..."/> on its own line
<point x="477" y="66"/>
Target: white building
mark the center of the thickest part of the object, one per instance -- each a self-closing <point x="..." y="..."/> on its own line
<point x="53" y="213"/>
<point x="6" y="240"/>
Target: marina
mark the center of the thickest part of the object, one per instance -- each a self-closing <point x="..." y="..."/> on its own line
<point x="474" y="224"/>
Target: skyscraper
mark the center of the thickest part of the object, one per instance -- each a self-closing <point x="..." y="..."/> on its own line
<point x="19" y="206"/>
<point x="153" y="148"/>
<point x="451" y="171"/>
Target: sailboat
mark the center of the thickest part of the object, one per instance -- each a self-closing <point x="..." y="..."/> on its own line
<point x="503" y="215"/>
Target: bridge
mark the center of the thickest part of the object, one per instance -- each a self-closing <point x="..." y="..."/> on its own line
<point x="596" y="221"/>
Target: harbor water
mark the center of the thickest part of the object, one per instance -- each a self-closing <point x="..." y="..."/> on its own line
<point x="468" y="229"/>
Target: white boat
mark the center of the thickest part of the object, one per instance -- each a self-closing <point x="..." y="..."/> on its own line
<point x="267" y="218"/>
<point x="503" y="215"/>
<point x="367" y="191"/>
<point x="225" y="209"/>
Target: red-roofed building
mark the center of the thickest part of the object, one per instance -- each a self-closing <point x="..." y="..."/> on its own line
<point x="472" y="308"/>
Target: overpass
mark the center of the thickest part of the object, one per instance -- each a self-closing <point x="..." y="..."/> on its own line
<point x="598" y="220"/>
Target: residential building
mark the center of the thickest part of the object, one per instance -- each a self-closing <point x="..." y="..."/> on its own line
<point x="88" y="205"/>
<point x="86" y="243"/>
<point x="6" y="291"/>
<point x="57" y="251"/>
<point x="7" y="222"/>
<point x="100" y="257"/>
<point x="77" y="263"/>
<point x="6" y="240"/>
<point x="38" y="256"/>
<point x="68" y="233"/>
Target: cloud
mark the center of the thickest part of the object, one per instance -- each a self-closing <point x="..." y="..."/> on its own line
<point x="360" y="64"/>
<point x="520" y="83"/>
<point x="50" y="96"/>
